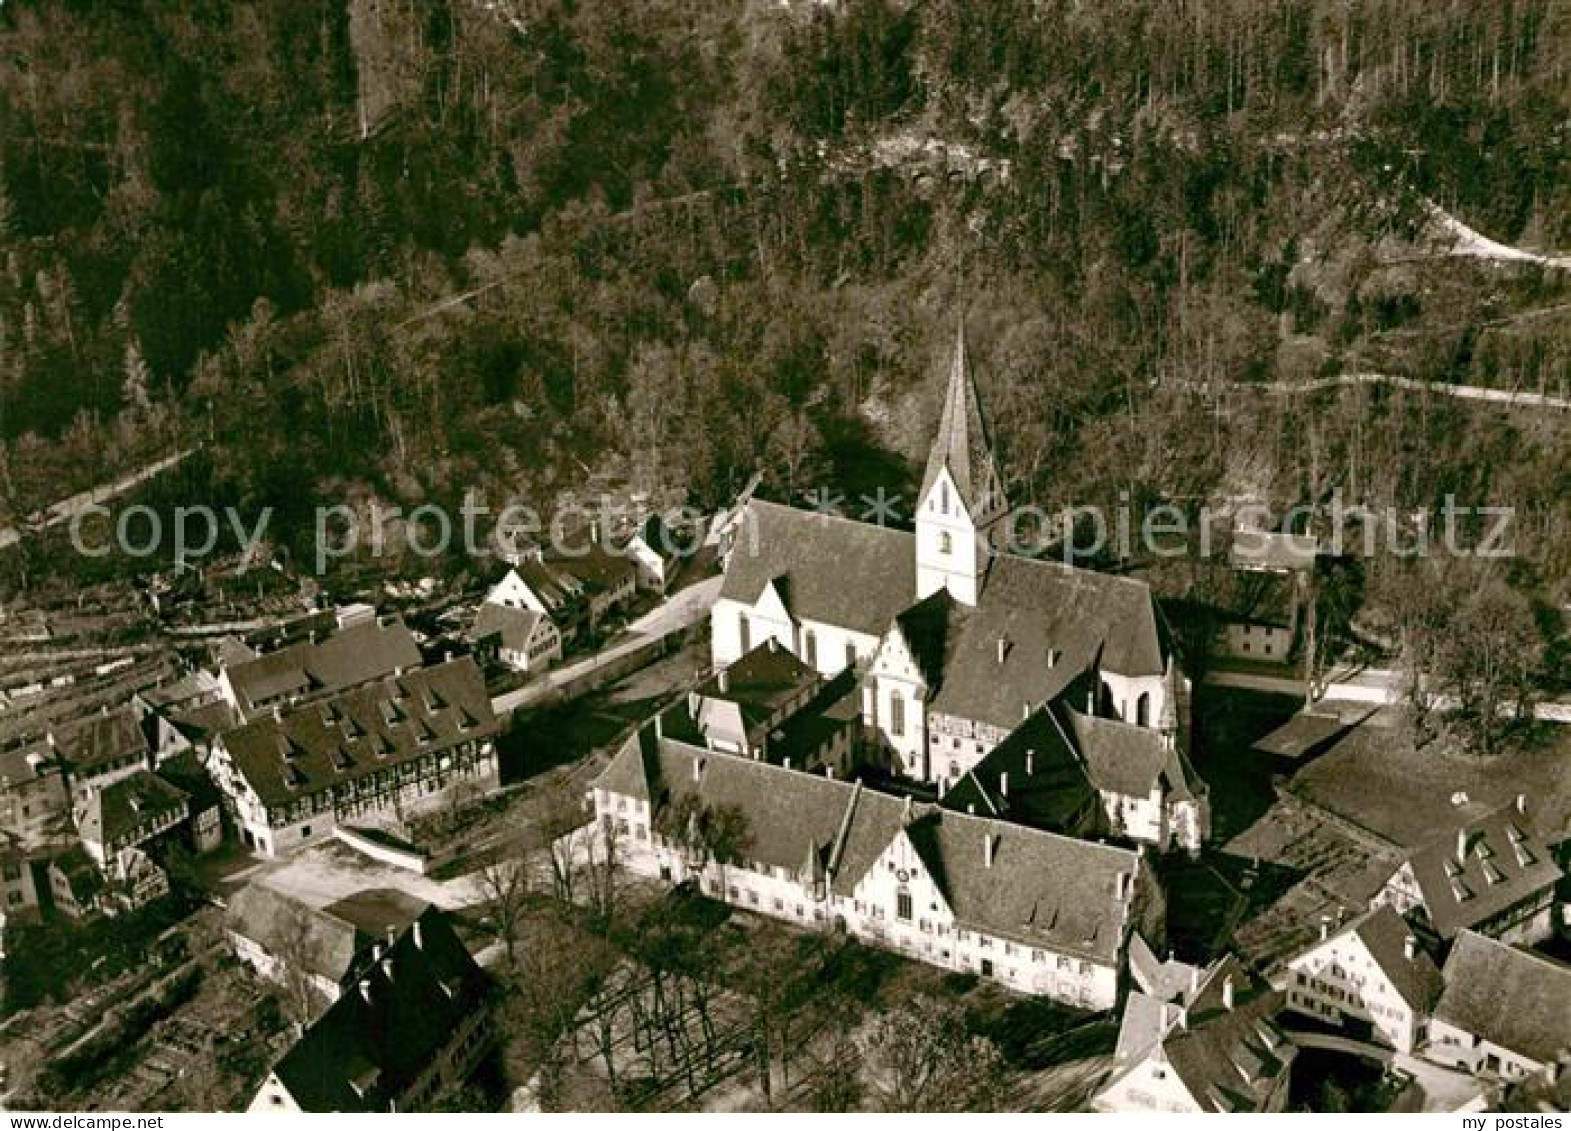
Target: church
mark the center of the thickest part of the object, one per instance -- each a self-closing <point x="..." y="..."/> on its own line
<point x="955" y="642"/>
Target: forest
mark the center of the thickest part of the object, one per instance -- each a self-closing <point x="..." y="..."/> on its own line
<point x="416" y="248"/>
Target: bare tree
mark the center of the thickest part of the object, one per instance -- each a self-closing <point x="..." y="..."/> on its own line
<point x="504" y="892"/>
<point x="921" y="1057"/>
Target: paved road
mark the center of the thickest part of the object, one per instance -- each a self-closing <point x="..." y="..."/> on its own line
<point x="1376" y="686"/>
<point x="685" y="607"/>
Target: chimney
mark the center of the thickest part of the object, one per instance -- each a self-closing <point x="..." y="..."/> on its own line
<point x="1227" y="992"/>
<point x="1521" y="804"/>
<point x="989" y="848"/>
<point x="387" y="967"/>
<point x="698" y="769"/>
<point x="723" y="677"/>
<point x="970" y="808"/>
<point x="905" y="812"/>
<point x="1003" y="649"/>
<point x="1325" y="927"/>
<point x="1052" y="658"/>
<point x="1003" y="783"/>
<point x="786" y="762"/>
<point x="659" y="725"/>
<point x="365" y="989"/>
<point x="1025" y="711"/>
<point x="1461" y="845"/>
<point x="392" y="936"/>
<point x="376" y="952"/>
<point x="278" y="713"/>
<point x="419" y="938"/>
<point x="829" y="772"/>
<point x="1030" y="759"/>
<point x="1194" y="980"/>
<point x="773" y="644"/>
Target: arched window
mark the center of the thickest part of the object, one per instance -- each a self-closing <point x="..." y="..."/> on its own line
<point x="897" y="714"/>
<point x="744" y="632"/>
<point x="943" y="496"/>
<point x="945" y="543"/>
<point x="1143" y="709"/>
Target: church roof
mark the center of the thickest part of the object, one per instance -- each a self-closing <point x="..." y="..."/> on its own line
<point x="962" y="445"/>
<point x="854" y="575"/>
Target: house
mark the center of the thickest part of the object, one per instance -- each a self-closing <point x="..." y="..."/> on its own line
<point x="75" y="883"/>
<point x="1489" y="874"/>
<point x="1264" y="616"/>
<point x="1035" y="911"/>
<point x="608" y="579"/>
<point x="657" y="550"/>
<point x="1370" y="978"/>
<point x="1082" y="774"/>
<point x="128" y="813"/>
<point x="409" y="1032"/>
<point x="18" y="885"/>
<point x="101" y="749"/>
<point x="1198" y="1039"/>
<point x="522" y="638"/>
<point x="404" y="742"/>
<point x="191" y="690"/>
<point x="356" y="654"/>
<point x="285" y="940"/>
<point x="1257" y="550"/>
<point x="1504" y="1012"/>
<point x="34" y="802"/>
<point x="743" y="704"/>
<point x="958" y="642"/>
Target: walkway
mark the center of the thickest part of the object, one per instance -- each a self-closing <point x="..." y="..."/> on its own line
<point x="80" y="503"/>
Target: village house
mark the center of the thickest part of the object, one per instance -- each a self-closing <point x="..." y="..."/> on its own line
<point x="1489" y="874"/>
<point x="1504" y="1012"/>
<point x="18" y="886"/>
<point x="1038" y="912"/>
<point x="1370" y="978"/>
<point x="128" y="813"/>
<point x="1198" y="1039"/>
<point x="956" y="641"/>
<point x="287" y="941"/>
<point x="407" y="742"/>
<point x="656" y="550"/>
<point x="410" y="1030"/>
<point x="35" y="805"/>
<point x="98" y="750"/>
<point x="322" y="664"/>
<point x="522" y="638"/>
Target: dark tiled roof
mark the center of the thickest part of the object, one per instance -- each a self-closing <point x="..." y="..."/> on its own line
<point x="1503" y="864"/>
<point x="326" y="942"/>
<point x="961" y="444"/>
<point x="1514" y="999"/>
<point x="379" y="1038"/>
<point x="187" y="774"/>
<point x="1229" y="1059"/>
<point x="515" y="627"/>
<point x="852" y="574"/>
<point x="1384" y="934"/>
<point x="598" y="568"/>
<point x="1132" y="760"/>
<point x="96" y="740"/>
<point x="1265" y="599"/>
<point x="1056" y="622"/>
<point x="1039" y="888"/>
<point x="760" y="683"/>
<point x="362" y="731"/>
<point x="355" y="655"/>
<point x="118" y="808"/>
<point x="1047" y="786"/>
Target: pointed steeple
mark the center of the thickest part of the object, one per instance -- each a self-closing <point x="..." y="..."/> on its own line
<point x="961" y="445"/>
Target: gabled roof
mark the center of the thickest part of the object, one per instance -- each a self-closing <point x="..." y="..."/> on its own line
<point x="384" y="1033"/>
<point x="514" y="627"/>
<point x="326" y="942"/>
<point x="95" y="740"/>
<point x="598" y="568"/>
<point x="1472" y="872"/>
<point x="362" y="731"/>
<point x="352" y="656"/>
<point x="1515" y="999"/>
<point x="1037" y="887"/>
<point x="961" y="446"/>
<point x="187" y="774"/>
<point x="121" y="807"/>
<point x="1384" y="935"/>
<point x="1128" y="759"/>
<point x="758" y="685"/>
<point x="1055" y="622"/>
<point x="1230" y="1058"/>
<point x="1305" y="733"/>
<point x="1040" y="888"/>
<point x="1270" y="550"/>
<point x="855" y="575"/>
<point x="1036" y="776"/>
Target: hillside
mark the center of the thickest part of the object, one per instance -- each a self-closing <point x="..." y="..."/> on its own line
<point x="415" y="247"/>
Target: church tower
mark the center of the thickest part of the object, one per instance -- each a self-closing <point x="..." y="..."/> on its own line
<point x="962" y="495"/>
